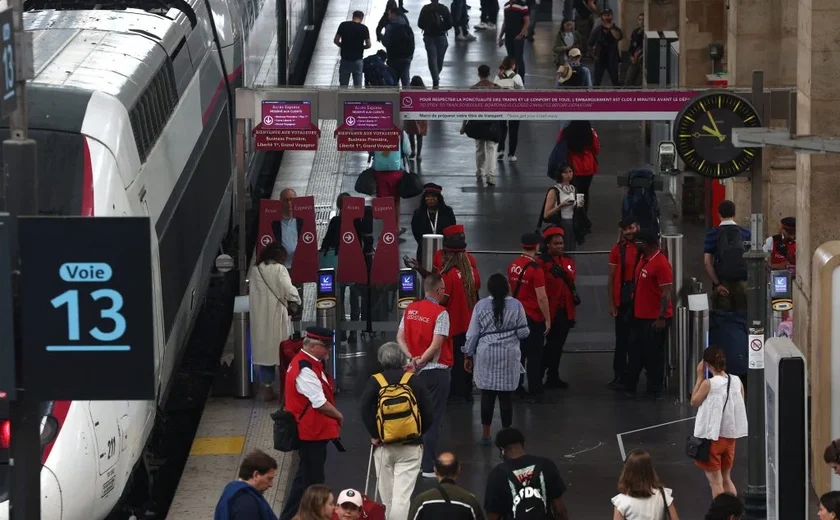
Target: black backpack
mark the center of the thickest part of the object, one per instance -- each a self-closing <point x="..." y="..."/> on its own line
<point x="528" y="500"/>
<point x="401" y="44"/>
<point x="640" y="200"/>
<point x="437" y="22"/>
<point x="730" y="264"/>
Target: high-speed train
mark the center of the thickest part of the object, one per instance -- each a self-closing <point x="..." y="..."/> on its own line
<point x="131" y="110"/>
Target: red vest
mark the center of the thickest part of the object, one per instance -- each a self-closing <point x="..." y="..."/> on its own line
<point x="776" y="256"/>
<point x="560" y="296"/>
<point x="419" y="325"/>
<point x="312" y="424"/>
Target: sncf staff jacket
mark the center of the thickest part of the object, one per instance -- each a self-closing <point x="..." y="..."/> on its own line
<point x="437" y="265"/>
<point x="421" y="322"/>
<point x="652" y="273"/>
<point x="533" y="277"/>
<point x="458" y="304"/>
<point x="303" y="397"/>
<point x="558" y="289"/>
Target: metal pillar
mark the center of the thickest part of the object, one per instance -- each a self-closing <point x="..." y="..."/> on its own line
<point x="755" y="497"/>
<point x="683" y="366"/>
<point x="699" y="339"/>
<point x="431" y="245"/>
<point x="672" y="246"/>
<point x="241" y="359"/>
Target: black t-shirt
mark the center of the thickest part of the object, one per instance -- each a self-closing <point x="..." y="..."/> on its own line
<point x="498" y="497"/>
<point x="606" y="42"/>
<point x="353" y="36"/>
<point x="515" y="13"/>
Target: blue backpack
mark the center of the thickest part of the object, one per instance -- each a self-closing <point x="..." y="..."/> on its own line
<point x="377" y="74"/>
<point x="640" y="200"/>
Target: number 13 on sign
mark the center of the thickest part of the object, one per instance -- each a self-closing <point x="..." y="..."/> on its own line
<point x="70" y="299"/>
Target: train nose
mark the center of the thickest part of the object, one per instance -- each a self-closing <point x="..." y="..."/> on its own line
<point x="51" y="506"/>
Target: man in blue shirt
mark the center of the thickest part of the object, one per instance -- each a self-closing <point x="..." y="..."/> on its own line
<point x="723" y="250"/>
<point x="243" y="498"/>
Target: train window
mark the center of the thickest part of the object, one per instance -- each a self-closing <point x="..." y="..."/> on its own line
<point x="155" y="109"/>
<point x="135" y="127"/>
<point x="144" y="126"/>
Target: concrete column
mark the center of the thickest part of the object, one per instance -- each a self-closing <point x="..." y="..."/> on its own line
<point x="662" y="15"/>
<point x="701" y="22"/>
<point x="817" y="176"/>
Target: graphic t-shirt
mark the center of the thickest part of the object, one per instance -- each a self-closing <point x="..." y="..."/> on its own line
<point x="498" y="497"/>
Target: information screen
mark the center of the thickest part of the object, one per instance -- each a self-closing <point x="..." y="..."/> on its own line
<point x="407" y="282"/>
<point x="780" y="284"/>
<point x="326" y="282"/>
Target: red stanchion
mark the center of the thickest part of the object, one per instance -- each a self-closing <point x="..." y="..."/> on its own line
<point x="270" y="211"/>
<point x="351" y="259"/>
<point x="305" y="263"/>
<point x="385" y="268"/>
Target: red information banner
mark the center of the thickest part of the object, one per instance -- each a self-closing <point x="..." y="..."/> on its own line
<point x="385" y="267"/>
<point x="560" y="104"/>
<point x="271" y="211"/>
<point x="305" y="262"/>
<point x="286" y="125"/>
<point x="351" y="259"/>
<point x="368" y="126"/>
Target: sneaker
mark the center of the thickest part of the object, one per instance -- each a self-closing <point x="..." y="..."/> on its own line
<point x="491" y="26"/>
<point x="500" y="156"/>
<point x="512" y="158"/>
<point x="491" y="181"/>
<point x="469" y="37"/>
<point x="429" y="474"/>
<point x="460" y="38"/>
<point x="480" y="26"/>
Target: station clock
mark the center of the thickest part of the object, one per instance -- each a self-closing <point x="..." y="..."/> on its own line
<point x="703" y="134"/>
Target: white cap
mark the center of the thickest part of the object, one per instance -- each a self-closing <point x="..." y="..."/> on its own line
<point x="350" y="495"/>
<point x="574" y="52"/>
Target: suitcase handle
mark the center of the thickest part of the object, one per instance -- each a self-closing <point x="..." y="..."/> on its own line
<point x="367" y="476"/>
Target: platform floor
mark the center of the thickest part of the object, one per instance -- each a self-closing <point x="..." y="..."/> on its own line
<point x="584" y="429"/>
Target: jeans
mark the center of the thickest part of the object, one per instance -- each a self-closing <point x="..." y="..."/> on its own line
<point x="437" y="383"/>
<point x="397" y="466"/>
<point x="485" y="158"/>
<point x="623" y="326"/>
<point x="532" y="353"/>
<point x="533" y="10"/>
<point x="435" y="51"/>
<point x="647" y="350"/>
<point x="490" y="11"/>
<point x="554" y="342"/>
<point x="516" y="50"/>
<point x="461" y="384"/>
<point x="267" y="374"/>
<point x="402" y="69"/>
<point x="346" y="68"/>
<point x="488" y="402"/>
<point x="313" y="456"/>
<point x="460" y="17"/>
<point x="509" y="129"/>
<point x="633" y="77"/>
<point x="608" y="64"/>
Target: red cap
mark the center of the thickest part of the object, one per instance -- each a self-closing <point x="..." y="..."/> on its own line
<point x="553" y="230"/>
<point x="456" y="229"/>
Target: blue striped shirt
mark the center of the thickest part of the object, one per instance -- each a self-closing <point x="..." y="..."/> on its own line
<point x="496" y="351"/>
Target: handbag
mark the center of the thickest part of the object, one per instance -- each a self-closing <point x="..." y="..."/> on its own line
<point x="366" y="183"/>
<point x="286" y="436"/>
<point x="410" y="185"/>
<point x="697" y="448"/>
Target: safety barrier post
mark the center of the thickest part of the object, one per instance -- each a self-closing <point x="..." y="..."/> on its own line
<point x="241" y="358"/>
<point x="672" y="246"/>
<point x="683" y="366"/>
<point x="326" y="311"/>
<point x="432" y="243"/>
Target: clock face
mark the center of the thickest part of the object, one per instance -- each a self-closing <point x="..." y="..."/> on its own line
<point x="703" y="134"/>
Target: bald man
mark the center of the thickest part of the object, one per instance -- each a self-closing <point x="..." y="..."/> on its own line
<point x="286" y="229"/>
<point x="431" y="505"/>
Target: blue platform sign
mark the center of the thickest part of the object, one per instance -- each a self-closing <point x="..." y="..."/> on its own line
<point x="86" y="308"/>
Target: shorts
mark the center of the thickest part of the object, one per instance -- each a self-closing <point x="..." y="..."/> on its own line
<point x="388" y="183"/>
<point x="721" y="455"/>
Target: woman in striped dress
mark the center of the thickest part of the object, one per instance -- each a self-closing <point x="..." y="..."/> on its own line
<point x="497" y="325"/>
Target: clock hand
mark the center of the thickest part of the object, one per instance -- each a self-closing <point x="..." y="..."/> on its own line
<point x="714" y="133"/>
<point x="714" y="125"/>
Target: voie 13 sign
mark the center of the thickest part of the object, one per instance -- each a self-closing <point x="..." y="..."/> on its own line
<point x="86" y="307"/>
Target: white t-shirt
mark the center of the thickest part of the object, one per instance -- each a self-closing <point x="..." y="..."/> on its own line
<point x="650" y="508"/>
<point x="567" y="192"/>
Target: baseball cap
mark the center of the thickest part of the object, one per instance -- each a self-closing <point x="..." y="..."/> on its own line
<point x="607" y="11"/>
<point x="350" y="495"/>
<point x="574" y="52"/>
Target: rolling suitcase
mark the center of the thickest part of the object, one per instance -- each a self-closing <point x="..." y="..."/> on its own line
<point x="371" y="509"/>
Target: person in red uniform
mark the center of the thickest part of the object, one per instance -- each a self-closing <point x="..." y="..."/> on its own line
<point x="560" y="273"/>
<point x="652" y="312"/>
<point x="456" y="232"/>
<point x="310" y="396"/>
<point x="424" y="335"/>
<point x="782" y="247"/>
<point x="460" y="280"/>
<point x="527" y="284"/>
<point x="624" y="257"/>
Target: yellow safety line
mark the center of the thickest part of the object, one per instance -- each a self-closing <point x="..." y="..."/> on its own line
<point x="217" y="445"/>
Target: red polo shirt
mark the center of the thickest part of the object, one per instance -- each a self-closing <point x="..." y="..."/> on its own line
<point x="458" y="306"/>
<point x="532" y="279"/>
<point x="437" y="265"/>
<point x="630" y="255"/>
<point x="651" y="274"/>
<point x="559" y="294"/>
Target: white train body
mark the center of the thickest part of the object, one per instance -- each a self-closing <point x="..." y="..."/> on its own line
<point x="132" y="115"/>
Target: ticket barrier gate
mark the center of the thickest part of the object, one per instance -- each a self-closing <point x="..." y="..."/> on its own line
<point x="786" y="409"/>
<point x="407" y="291"/>
<point x="327" y="310"/>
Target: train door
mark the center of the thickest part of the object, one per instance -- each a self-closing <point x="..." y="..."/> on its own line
<point x="160" y="341"/>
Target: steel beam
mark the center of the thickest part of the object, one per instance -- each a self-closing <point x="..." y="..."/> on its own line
<point x="761" y="137"/>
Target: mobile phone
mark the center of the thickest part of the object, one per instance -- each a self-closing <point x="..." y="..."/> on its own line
<point x="339" y="445"/>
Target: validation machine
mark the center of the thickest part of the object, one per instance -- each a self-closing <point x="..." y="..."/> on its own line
<point x="407" y="291"/>
<point x="327" y="308"/>
<point x="786" y="394"/>
<point x="781" y="299"/>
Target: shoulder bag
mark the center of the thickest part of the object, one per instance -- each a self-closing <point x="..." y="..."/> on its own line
<point x="627" y="288"/>
<point x="519" y="280"/>
<point x="291" y="307"/>
<point x="665" y="502"/>
<point x="697" y="448"/>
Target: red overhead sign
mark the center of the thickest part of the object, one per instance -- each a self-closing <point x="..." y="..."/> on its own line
<point x="286" y="125"/>
<point x="368" y="126"/>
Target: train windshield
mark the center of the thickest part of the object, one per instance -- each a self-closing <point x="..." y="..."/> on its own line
<point x="60" y="170"/>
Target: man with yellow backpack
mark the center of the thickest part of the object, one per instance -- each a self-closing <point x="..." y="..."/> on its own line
<point x="396" y="410"/>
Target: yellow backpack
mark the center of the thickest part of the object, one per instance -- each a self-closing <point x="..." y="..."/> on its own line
<point x="397" y="413"/>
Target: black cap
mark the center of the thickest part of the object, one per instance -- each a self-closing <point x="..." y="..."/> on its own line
<point x="454" y="244"/>
<point x="627" y="221"/>
<point x="789" y="223"/>
<point x="432" y="187"/>
<point x="321" y="334"/>
<point x="607" y="11"/>
<point x="530" y="240"/>
<point x="647" y="236"/>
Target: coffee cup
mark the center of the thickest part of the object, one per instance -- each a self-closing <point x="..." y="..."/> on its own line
<point x="579" y="199"/>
